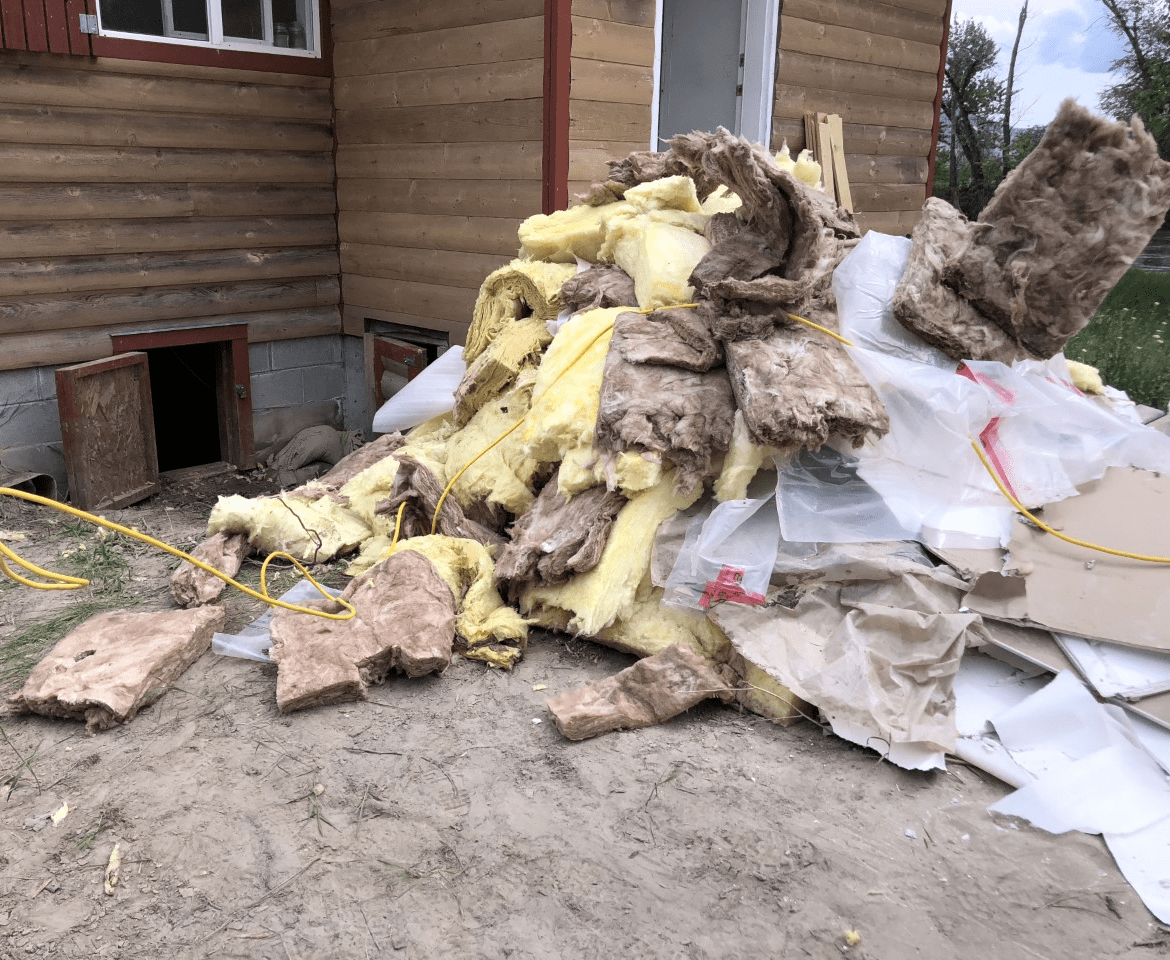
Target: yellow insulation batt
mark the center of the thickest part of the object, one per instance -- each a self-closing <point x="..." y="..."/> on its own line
<point x="523" y="288"/>
<point x="607" y="592"/>
<point x="741" y="462"/>
<point x="516" y="346"/>
<point x="659" y="256"/>
<point x="565" y="409"/>
<point x="313" y="531"/>
<point x="629" y="471"/>
<point x="1085" y="378"/>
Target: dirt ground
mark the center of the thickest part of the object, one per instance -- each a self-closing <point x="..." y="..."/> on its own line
<point x="447" y="817"/>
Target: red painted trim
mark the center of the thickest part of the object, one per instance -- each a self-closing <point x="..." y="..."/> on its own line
<point x="180" y="337"/>
<point x="78" y="41"/>
<point x="56" y="26"/>
<point x="36" y="34"/>
<point x="558" y="40"/>
<point x="934" y="133"/>
<point x="12" y="20"/>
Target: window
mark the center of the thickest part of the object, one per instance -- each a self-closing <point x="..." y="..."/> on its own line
<point x="290" y="27"/>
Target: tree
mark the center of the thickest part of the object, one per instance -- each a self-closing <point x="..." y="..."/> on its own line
<point x="1144" y="27"/>
<point x="1009" y="92"/>
<point x="972" y="110"/>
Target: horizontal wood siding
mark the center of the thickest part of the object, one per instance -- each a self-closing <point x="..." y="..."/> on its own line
<point x="612" y="67"/>
<point x="439" y="112"/>
<point x="136" y="197"/>
<point x="875" y="64"/>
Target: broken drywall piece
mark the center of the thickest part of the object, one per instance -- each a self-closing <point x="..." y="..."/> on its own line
<point x="191" y="586"/>
<point x="116" y="663"/>
<point x="404" y="621"/>
<point x="1084" y="592"/>
<point x="1117" y="671"/>
<point x="649" y="692"/>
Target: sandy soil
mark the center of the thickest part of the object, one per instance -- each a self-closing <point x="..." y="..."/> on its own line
<point x="453" y="820"/>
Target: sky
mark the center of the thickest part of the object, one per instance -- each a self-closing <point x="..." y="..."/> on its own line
<point x="1065" y="52"/>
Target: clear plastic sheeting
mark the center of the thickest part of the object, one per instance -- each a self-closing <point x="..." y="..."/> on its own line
<point x="728" y="553"/>
<point x="428" y="395"/>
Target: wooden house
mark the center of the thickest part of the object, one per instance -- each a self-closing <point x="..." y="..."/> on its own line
<point x="280" y="201"/>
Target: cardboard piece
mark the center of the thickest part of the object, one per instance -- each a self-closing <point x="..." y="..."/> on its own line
<point x="116" y="663"/>
<point x="1084" y="592"/>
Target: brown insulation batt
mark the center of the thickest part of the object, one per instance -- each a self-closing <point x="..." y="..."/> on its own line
<point x="556" y="538"/>
<point x="601" y="286"/>
<point x="354" y="463"/>
<point x="192" y="586"/>
<point x="674" y="336"/>
<point x="650" y="691"/>
<point x="684" y="416"/>
<point x="934" y="311"/>
<point x="417" y="486"/>
<point x="797" y="386"/>
<point x="405" y="621"/>
<point x="116" y="663"/>
<point x="1063" y="227"/>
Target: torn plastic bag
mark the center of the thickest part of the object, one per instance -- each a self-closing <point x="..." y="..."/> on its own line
<point x="428" y="395"/>
<point x="864" y="285"/>
<point x="728" y="552"/>
<point x="820" y="498"/>
<point x="253" y="641"/>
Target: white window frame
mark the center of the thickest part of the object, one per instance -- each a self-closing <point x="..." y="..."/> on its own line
<point x="753" y="112"/>
<point x="308" y="10"/>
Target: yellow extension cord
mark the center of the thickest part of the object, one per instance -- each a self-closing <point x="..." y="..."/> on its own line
<point x="66" y="582"/>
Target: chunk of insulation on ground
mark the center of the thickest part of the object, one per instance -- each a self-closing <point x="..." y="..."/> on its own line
<point x="1063" y="227"/>
<point x="594" y="600"/>
<point x="523" y="288"/>
<point x="797" y="386"/>
<point x="405" y="621"/>
<point x="116" y="663"/>
<point x="930" y="308"/>
<point x="192" y="586"/>
<point x="558" y="538"/>
<point x="312" y="530"/>
<point x="649" y="692"/>
<point x="602" y="285"/>
<point x="685" y="417"/>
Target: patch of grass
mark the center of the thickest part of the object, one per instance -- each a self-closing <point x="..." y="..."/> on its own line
<point x="1128" y="339"/>
<point x="98" y="555"/>
<point x="20" y="652"/>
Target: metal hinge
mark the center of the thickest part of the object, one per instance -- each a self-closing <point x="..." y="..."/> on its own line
<point x="89" y="23"/>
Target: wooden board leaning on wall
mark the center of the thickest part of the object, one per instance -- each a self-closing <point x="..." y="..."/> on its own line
<point x="861" y="139"/>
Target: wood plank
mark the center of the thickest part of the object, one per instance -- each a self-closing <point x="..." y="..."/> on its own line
<point x="637" y="12"/>
<point x="66" y="86"/>
<point x="100" y="127"/>
<point x="587" y="159"/>
<point x="897" y="224"/>
<point x="95" y="309"/>
<point x="793" y="102"/>
<point x="494" y="235"/>
<point x="472" y="198"/>
<point x="610" y="82"/>
<point x="55" y="347"/>
<point x="70" y="238"/>
<point x="825" y="73"/>
<point x="595" y="39"/>
<point x="430" y="161"/>
<point x="626" y="122"/>
<point x="511" y="120"/>
<point x="354" y="322"/>
<point x="886" y="19"/>
<point x="520" y="39"/>
<point x="12" y="23"/>
<point x="77" y="201"/>
<point x="122" y="271"/>
<point x="467" y="83"/>
<point x="404" y="296"/>
<point x="860" y="138"/>
<point x="888" y="197"/>
<point x="845" y="43"/>
<point x="373" y="20"/>
<point x="864" y="169"/>
<point x="49" y="163"/>
<point x="56" y="26"/>
<point x="156" y="70"/>
<point x="446" y="267"/>
<point x="935" y="8"/>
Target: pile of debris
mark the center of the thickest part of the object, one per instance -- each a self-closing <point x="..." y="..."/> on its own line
<point x="703" y="421"/>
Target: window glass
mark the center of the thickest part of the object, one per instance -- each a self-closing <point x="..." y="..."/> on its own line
<point x="231" y="24"/>
<point x="243" y="18"/>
